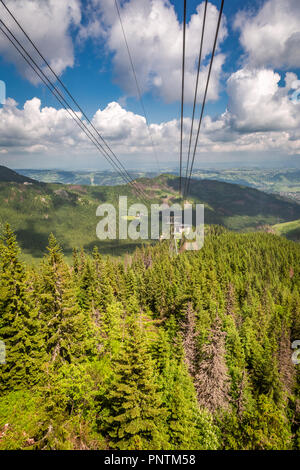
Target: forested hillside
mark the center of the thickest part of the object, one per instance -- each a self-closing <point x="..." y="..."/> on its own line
<point x="69" y="211"/>
<point x="157" y="352"/>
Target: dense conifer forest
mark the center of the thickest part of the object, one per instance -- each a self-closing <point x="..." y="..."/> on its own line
<point x="157" y="351"/>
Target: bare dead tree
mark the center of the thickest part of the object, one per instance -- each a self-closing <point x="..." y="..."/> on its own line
<point x="285" y="366"/>
<point x="212" y="380"/>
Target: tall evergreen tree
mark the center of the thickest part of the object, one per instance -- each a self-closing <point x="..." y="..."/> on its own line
<point x="134" y="415"/>
<point x="19" y="326"/>
<point x="68" y="332"/>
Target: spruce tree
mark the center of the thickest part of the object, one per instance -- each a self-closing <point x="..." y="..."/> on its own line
<point x="134" y="415"/>
<point x="19" y="326"/>
<point x="68" y="331"/>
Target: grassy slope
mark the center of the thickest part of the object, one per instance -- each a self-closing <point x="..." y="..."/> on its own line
<point x="290" y="230"/>
<point x="70" y="211"/>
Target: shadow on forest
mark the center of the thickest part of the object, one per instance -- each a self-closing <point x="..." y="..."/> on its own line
<point x="32" y="241"/>
<point x="115" y="247"/>
<point x="232" y="200"/>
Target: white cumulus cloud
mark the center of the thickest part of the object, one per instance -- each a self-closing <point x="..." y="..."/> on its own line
<point x="260" y="115"/>
<point x="271" y="36"/>
<point x="154" y="36"/>
<point x="48" y="23"/>
<point x="264" y="123"/>
<point x="258" y="103"/>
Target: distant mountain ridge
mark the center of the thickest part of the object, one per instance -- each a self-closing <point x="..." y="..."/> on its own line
<point x="89" y="178"/>
<point x="285" y="181"/>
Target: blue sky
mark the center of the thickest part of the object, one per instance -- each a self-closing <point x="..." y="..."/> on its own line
<point x="249" y="115"/>
<point x="92" y="78"/>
